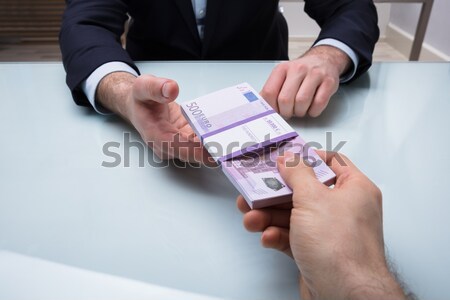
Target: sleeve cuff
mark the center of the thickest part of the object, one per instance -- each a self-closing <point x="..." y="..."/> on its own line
<point x="89" y="86"/>
<point x="343" y="47"/>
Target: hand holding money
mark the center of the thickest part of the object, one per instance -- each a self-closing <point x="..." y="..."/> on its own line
<point x="334" y="235"/>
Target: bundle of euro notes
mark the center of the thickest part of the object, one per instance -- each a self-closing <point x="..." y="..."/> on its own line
<point x="245" y="136"/>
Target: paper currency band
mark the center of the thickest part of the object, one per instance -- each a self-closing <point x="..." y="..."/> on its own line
<point x="257" y="147"/>
<point x="239" y="123"/>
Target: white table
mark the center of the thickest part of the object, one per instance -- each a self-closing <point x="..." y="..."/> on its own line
<point x="179" y="228"/>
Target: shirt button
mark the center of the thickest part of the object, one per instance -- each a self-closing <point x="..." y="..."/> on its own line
<point x="201" y="13"/>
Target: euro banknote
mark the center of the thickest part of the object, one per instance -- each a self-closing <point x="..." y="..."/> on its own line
<point x="256" y="176"/>
<point x="245" y="136"/>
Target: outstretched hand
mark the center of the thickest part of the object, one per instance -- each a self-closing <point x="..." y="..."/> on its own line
<point x="147" y="102"/>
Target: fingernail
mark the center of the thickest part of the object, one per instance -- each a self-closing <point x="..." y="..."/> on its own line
<point x="165" y="90"/>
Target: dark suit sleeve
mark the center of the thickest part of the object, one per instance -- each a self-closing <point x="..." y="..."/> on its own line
<point x="353" y="22"/>
<point x="89" y="37"/>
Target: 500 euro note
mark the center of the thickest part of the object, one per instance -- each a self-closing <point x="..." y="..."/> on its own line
<point x="256" y="175"/>
<point x="245" y="136"/>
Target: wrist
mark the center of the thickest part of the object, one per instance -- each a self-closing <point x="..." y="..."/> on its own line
<point x="386" y="288"/>
<point x="334" y="56"/>
<point x="373" y="284"/>
<point x="114" y="93"/>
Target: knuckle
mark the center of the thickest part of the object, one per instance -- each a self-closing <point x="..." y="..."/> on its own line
<point x="331" y="80"/>
<point x="283" y="99"/>
<point x="376" y="193"/>
<point x="313" y="113"/>
<point x="318" y="72"/>
<point x="302" y="99"/>
<point x="321" y="101"/>
<point x="152" y="91"/>
<point x="280" y="67"/>
<point x="283" y="65"/>
<point x="138" y="84"/>
<point x="286" y="115"/>
<point x="300" y="68"/>
<point x="286" y="112"/>
<point x="300" y="113"/>
<point x="267" y="93"/>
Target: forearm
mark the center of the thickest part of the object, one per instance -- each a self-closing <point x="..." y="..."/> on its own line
<point x="114" y="92"/>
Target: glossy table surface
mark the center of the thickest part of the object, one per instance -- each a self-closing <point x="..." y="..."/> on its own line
<point x="178" y="228"/>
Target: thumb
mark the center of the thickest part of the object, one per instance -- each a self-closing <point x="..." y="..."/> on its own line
<point x="149" y="87"/>
<point x="298" y="175"/>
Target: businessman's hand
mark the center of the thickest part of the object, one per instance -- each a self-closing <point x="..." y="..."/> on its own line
<point x="304" y="85"/>
<point x="334" y="235"/>
<point x="147" y="102"/>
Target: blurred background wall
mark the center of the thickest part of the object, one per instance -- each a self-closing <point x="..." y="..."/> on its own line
<point x="403" y="20"/>
<point x="397" y="22"/>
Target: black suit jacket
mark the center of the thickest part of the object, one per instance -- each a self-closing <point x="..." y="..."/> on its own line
<point x="166" y="30"/>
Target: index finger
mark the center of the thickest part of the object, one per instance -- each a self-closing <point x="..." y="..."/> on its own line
<point x="273" y="86"/>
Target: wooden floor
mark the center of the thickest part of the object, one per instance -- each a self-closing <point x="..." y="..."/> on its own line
<point x="51" y="52"/>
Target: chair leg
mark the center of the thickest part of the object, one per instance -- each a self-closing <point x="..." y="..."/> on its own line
<point x="421" y="30"/>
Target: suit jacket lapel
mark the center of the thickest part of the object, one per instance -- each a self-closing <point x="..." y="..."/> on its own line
<point x="187" y="11"/>
<point x="212" y="13"/>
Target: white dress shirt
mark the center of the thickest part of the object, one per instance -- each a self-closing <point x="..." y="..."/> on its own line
<point x="90" y="85"/>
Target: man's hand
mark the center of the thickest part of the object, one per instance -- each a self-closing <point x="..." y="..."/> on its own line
<point x="147" y="102"/>
<point x="334" y="235"/>
<point x="305" y="85"/>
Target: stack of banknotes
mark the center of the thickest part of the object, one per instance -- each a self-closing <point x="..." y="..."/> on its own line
<point x="245" y="136"/>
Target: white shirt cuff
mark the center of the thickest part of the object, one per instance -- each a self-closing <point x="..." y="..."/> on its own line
<point x="89" y="86"/>
<point x="343" y="47"/>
